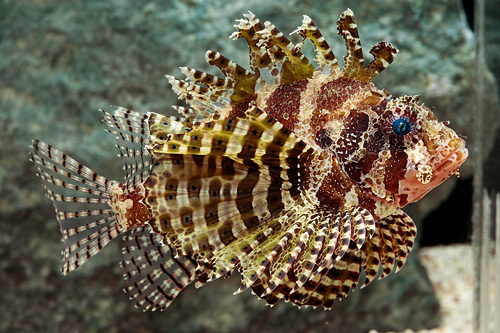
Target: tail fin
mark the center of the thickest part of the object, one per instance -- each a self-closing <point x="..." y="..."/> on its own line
<point x="82" y="197"/>
<point x="81" y="200"/>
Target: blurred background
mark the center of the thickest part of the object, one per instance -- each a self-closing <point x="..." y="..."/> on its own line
<point x="60" y="61"/>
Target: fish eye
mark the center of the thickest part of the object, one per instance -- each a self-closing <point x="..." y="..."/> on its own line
<point x="401" y="126"/>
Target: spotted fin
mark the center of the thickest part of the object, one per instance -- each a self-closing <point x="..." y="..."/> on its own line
<point x="214" y="208"/>
<point x="153" y="274"/>
<point x="257" y="140"/>
<point x="207" y="201"/>
<point x="81" y="197"/>
<point x="162" y="127"/>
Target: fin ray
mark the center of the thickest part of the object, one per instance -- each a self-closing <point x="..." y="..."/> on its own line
<point x="153" y="274"/>
<point x="86" y="226"/>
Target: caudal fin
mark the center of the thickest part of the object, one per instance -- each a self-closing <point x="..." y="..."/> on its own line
<point x="81" y="199"/>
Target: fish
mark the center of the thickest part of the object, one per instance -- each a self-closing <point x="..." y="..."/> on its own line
<point x="292" y="174"/>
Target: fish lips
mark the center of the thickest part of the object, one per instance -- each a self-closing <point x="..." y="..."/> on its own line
<point x="418" y="181"/>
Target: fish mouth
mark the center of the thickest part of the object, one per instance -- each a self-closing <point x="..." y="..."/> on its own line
<point x="419" y="180"/>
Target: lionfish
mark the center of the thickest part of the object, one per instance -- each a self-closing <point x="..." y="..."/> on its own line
<point x="292" y="174"/>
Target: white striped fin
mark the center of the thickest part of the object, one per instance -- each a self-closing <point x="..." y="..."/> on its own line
<point x="81" y="200"/>
<point x="131" y="130"/>
<point x="153" y="274"/>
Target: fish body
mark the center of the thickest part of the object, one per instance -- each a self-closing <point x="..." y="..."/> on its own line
<point x="292" y="174"/>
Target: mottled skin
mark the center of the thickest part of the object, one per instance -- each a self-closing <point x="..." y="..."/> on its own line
<point x="351" y="121"/>
<point x="357" y="167"/>
<point x="292" y="174"/>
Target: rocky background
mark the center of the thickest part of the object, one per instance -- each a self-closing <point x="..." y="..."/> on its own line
<point x="60" y="61"/>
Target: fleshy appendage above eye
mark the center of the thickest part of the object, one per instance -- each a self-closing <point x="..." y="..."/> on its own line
<point x="401" y="126"/>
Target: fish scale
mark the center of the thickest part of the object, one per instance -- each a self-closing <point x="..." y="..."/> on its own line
<point x="293" y="175"/>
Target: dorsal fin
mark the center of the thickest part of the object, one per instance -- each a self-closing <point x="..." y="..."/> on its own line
<point x="274" y="57"/>
<point x="324" y="54"/>
<point x="132" y="136"/>
<point x="353" y="62"/>
<point x="270" y="49"/>
<point x="354" y="67"/>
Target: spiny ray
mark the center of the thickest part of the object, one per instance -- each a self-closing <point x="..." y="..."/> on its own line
<point x="295" y="251"/>
<point x="387" y="255"/>
<point x="247" y="28"/>
<point x="371" y="261"/>
<point x="294" y="65"/>
<point x="324" y="54"/>
<point x="383" y="54"/>
<point x="132" y="136"/>
<point x="353" y="62"/>
<point x="243" y="82"/>
<point x="308" y="262"/>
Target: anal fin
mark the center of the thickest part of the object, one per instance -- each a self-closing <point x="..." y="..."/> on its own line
<point x="153" y="274"/>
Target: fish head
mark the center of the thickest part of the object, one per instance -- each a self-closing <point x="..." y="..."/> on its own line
<point x="397" y="150"/>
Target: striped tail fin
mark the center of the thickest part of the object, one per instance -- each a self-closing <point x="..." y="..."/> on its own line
<point x="82" y="198"/>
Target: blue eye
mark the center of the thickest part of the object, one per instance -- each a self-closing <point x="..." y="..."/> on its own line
<point x="401" y="126"/>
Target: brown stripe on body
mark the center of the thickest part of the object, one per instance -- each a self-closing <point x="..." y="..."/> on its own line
<point x="284" y="103"/>
<point x="334" y="188"/>
<point x="332" y="96"/>
<point x="394" y="165"/>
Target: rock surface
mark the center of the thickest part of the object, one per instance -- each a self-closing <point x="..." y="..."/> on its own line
<point x="62" y="61"/>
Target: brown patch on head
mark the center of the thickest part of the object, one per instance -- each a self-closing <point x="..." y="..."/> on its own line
<point x="395" y="166"/>
<point x="334" y="188"/>
<point x="350" y="154"/>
